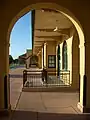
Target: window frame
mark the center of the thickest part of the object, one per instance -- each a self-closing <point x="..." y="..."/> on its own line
<point x="65" y="57"/>
<point x="54" y="63"/>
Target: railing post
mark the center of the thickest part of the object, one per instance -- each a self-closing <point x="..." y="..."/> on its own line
<point x="24" y="77"/>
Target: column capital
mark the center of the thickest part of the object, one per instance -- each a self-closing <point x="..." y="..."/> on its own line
<point x="83" y="45"/>
<point x="45" y="43"/>
<point x="58" y="42"/>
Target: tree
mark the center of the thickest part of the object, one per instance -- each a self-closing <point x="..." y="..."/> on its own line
<point x="15" y="61"/>
<point x="10" y="59"/>
<point x="21" y="61"/>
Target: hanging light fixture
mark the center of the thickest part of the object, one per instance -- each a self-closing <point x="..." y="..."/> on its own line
<point x="55" y="29"/>
<point x="42" y="10"/>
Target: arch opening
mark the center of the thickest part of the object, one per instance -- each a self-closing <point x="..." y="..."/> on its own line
<point x="69" y="15"/>
<point x="55" y="7"/>
<point x="64" y="55"/>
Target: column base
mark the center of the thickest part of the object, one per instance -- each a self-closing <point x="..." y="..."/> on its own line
<point x="5" y="112"/>
<point x="83" y="109"/>
<point x="80" y="107"/>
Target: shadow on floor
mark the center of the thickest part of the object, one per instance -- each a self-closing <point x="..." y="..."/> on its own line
<point x="29" y="115"/>
<point x="16" y="76"/>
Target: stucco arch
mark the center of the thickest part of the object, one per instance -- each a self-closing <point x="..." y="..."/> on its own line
<point x="67" y="13"/>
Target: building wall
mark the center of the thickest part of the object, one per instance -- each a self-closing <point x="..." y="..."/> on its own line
<point x="28" y="53"/>
<point x="42" y="57"/>
<point x="40" y="60"/>
<point x="51" y="50"/>
<point x="45" y="56"/>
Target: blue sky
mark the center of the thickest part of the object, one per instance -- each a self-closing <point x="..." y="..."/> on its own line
<point x="20" y="38"/>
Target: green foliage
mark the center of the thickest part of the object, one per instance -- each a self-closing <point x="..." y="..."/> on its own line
<point x="10" y="59"/>
<point x="21" y="61"/>
<point x="16" y="61"/>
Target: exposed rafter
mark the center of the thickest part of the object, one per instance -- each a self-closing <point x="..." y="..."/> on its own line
<point x="49" y="10"/>
<point x="54" y="37"/>
<point x="61" y="31"/>
<point x="50" y="27"/>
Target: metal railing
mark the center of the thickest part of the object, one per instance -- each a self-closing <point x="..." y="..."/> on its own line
<point x="65" y="76"/>
<point x="35" y="78"/>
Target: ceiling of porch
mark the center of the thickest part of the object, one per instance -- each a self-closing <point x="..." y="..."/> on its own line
<point x="50" y="25"/>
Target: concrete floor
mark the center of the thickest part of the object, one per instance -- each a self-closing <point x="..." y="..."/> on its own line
<point x="41" y="105"/>
<point x="48" y="102"/>
<point x="15" y="85"/>
<point x="40" y="101"/>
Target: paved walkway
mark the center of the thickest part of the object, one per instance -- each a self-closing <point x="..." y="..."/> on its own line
<point x="41" y="105"/>
<point x="48" y="102"/>
<point x="15" y="85"/>
<point x="40" y="101"/>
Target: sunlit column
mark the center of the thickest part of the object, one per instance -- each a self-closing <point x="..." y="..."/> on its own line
<point x="42" y="57"/>
<point x="51" y="52"/>
<point x="45" y="52"/>
<point x="39" y="59"/>
<point x="82" y="97"/>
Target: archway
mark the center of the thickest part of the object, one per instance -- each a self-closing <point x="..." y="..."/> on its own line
<point x="67" y="14"/>
<point x="64" y="56"/>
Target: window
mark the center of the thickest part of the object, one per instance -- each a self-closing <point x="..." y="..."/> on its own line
<point x="64" y="56"/>
<point x="58" y="60"/>
<point x="51" y="61"/>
